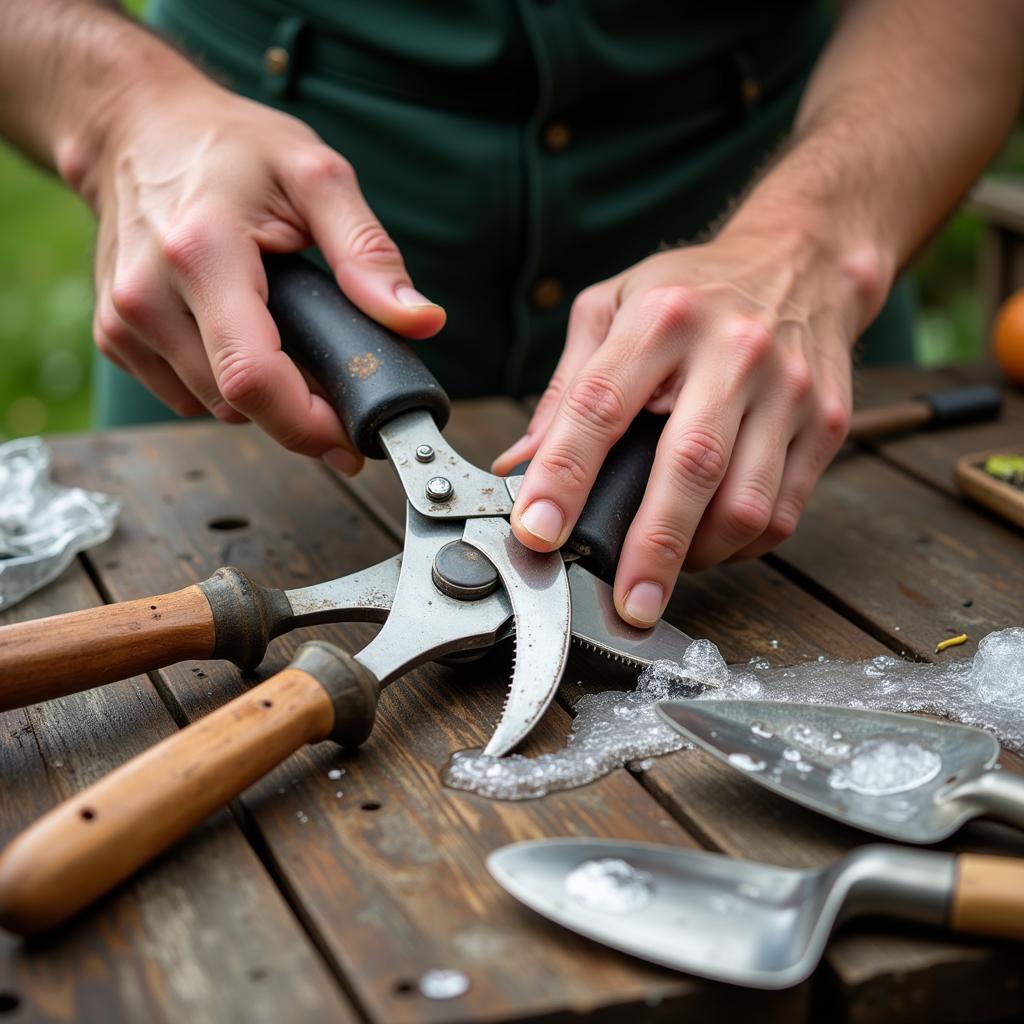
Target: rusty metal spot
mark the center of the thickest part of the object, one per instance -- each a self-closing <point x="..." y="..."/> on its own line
<point x="363" y="366"/>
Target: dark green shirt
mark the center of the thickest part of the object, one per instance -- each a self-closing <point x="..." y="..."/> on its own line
<point x="519" y="150"/>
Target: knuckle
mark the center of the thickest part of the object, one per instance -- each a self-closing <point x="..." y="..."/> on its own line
<point x="751" y="340"/>
<point x="131" y="297"/>
<point x="698" y="459"/>
<point x="669" y="308"/>
<point x="185" y="248"/>
<point x="784" y="521"/>
<point x="747" y="516"/>
<point x="797" y="378"/>
<point x="565" y="466"/>
<point x="242" y="381"/>
<point x="835" y="420"/>
<point x="321" y="166"/>
<point x="664" y="543"/>
<point x="599" y="402"/>
<point x="111" y="329"/>
<point x="587" y="305"/>
<point x="369" y="241"/>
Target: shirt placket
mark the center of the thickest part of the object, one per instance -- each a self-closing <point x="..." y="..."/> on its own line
<point x="542" y="291"/>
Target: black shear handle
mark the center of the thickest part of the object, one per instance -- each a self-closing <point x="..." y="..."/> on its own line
<point x="615" y="497"/>
<point x="369" y="374"/>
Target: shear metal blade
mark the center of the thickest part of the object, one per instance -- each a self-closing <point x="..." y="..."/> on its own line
<point x="538" y="589"/>
<point x="596" y="626"/>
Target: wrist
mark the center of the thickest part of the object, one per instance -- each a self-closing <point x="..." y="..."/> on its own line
<point x="130" y="79"/>
<point x="810" y="239"/>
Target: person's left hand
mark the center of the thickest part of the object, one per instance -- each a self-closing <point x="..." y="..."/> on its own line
<point x="745" y="342"/>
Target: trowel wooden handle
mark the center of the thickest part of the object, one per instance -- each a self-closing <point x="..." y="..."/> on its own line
<point x="47" y="658"/>
<point x="988" y="896"/>
<point x="227" y="616"/>
<point x="102" y="835"/>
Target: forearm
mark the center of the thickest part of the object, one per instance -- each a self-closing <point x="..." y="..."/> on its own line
<point x="909" y="102"/>
<point x="66" y="68"/>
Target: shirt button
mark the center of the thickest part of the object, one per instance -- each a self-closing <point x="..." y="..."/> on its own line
<point x="275" y="60"/>
<point x="546" y="293"/>
<point x="556" y="136"/>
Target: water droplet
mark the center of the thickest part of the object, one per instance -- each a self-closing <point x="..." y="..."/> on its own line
<point x="443" y="983"/>
<point x="748" y="889"/>
<point x="610" y="884"/>
<point x="746" y="762"/>
<point x="335" y="773"/>
<point x="762" y="730"/>
<point x="790" y="754"/>
<point x="773" y="644"/>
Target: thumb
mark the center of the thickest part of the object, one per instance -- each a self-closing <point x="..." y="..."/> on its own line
<point x="365" y="261"/>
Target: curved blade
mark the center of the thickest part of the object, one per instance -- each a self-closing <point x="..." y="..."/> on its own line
<point x="538" y="589"/>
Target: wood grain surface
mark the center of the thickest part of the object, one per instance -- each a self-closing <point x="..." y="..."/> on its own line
<point x="340" y="890"/>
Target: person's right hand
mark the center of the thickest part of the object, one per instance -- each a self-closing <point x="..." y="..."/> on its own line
<point x="189" y="187"/>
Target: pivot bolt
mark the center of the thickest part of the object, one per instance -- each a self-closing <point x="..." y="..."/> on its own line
<point x="424" y="453"/>
<point x="439" y="488"/>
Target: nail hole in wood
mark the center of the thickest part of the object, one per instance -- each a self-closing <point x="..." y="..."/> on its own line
<point x="370" y="805"/>
<point x="87" y="814"/>
<point x="9" y="1002"/>
<point x="258" y="973"/>
<point x="226" y="523"/>
<point x="267" y="703"/>
<point x="152" y="607"/>
<point x="194" y="474"/>
<point x="404" y="987"/>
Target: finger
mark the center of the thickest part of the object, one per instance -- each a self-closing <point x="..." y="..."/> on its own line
<point x="366" y="262"/>
<point x="589" y="321"/>
<point x="809" y="454"/>
<point x="223" y="281"/>
<point x="132" y="356"/>
<point x="158" y="318"/>
<point x="594" y="412"/>
<point x="742" y="506"/>
<point x="689" y="465"/>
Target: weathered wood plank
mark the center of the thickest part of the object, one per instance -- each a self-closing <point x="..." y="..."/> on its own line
<point x="203" y="936"/>
<point x="389" y="876"/>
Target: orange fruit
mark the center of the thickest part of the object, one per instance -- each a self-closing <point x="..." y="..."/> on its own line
<point x="1008" y="337"/>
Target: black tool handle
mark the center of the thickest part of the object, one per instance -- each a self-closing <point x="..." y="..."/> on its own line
<point x="369" y="374"/>
<point x="959" y="406"/>
<point x="615" y="497"/>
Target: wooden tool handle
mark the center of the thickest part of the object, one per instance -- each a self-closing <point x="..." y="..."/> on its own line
<point x="98" y="838"/>
<point x="988" y="896"/>
<point x="46" y="658"/>
<point x="879" y="420"/>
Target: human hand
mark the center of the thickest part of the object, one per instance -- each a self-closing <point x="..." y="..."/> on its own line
<point x="745" y="343"/>
<point x="191" y="184"/>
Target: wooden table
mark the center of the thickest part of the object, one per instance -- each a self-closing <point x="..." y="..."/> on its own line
<point x="314" y="899"/>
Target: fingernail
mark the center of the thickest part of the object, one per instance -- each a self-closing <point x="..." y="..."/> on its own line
<point x="643" y="602"/>
<point x="544" y="520"/>
<point x="342" y="460"/>
<point x="408" y="296"/>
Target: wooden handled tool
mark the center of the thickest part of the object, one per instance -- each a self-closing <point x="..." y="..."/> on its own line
<point x="227" y="616"/>
<point x="955" y="407"/>
<point x="988" y="896"/>
<point x="91" y="842"/>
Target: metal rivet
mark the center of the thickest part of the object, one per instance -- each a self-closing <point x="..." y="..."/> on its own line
<point x="275" y="60"/>
<point x="439" y="488"/>
<point x="424" y="453"/>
